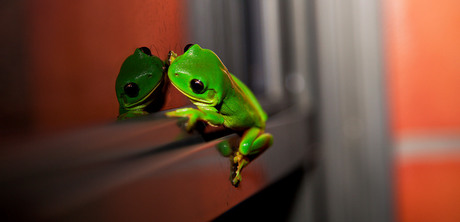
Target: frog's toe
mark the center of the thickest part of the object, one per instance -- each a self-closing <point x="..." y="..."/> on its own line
<point x="237" y="158"/>
<point x="172" y="114"/>
<point x="192" y="120"/>
<point x="189" y="126"/>
<point x="180" y="112"/>
<point x="239" y="162"/>
<point x="236" y="180"/>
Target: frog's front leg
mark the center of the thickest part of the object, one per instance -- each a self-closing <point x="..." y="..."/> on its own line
<point x="254" y="141"/>
<point x="211" y="117"/>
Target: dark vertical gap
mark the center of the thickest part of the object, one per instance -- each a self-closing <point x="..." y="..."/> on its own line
<point x="285" y="36"/>
<point x="256" y="80"/>
<point x="227" y="37"/>
<point x="248" y="32"/>
<point x="244" y="41"/>
<point x="15" y="111"/>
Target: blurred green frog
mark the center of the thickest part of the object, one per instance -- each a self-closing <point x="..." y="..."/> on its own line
<point x="141" y="84"/>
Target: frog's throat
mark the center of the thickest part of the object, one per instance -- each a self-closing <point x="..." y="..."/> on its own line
<point x="140" y="104"/>
<point x="196" y="101"/>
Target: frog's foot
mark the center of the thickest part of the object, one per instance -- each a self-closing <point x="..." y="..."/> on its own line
<point x="192" y="114"/>
<point x="239" y="161"/>
<point x="254" y="142"/>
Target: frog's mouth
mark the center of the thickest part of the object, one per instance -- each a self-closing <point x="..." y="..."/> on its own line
<point x="197" y="101"/>
<point x="140" y="104"/>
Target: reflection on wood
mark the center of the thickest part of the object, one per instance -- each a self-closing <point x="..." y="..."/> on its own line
<point x="137" y="169"/>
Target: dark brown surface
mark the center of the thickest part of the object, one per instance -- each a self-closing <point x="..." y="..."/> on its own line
<point x="138" y="170"/>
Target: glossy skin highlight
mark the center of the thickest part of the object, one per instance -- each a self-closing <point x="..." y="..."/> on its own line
<point x="221" y="99"/>
<point x="141" y="75"/>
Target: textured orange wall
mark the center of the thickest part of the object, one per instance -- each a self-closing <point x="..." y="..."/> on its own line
<point x="423" y="63"/>
<point x="76" y="49"/>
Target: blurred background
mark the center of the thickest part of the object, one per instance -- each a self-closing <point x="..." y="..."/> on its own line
<point x="379" y="80"/>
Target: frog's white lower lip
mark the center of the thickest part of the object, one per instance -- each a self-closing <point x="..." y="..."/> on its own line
<point x="195" y="100"/>
<point x="200" y="102"/>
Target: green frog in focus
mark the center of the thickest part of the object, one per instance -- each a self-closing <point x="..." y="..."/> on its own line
<point x="140" y="85"/>
<point x="221" y="99"/>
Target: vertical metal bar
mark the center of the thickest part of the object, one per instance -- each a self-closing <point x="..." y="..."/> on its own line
<point x="254" y="53"/>
<point x="270" y="22"/>
<point x="298" y="81"/>
<point x="217" y="14"/>
<point x="15" y="113"/>
<point x="201" y="22"/>
<point x="218" y="25"/>
<point x="236" y="43"/>
<point x="356" y="153"/>
<point x="372" y="73"/>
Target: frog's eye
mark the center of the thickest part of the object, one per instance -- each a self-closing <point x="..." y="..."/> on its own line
<point x="187" y="47"/>
<point x="197" y="86"/>
<point x="146" y="51"/>
<point x="131" y="89"/>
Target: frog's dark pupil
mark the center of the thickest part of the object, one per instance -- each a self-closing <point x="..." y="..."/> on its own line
<point x="187" y="47"/>
<point x="146" y="50"/>
<point x="131" y="89"/>
<point x="197" y="86"/>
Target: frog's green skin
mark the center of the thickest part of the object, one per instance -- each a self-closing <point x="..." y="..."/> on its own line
<point x="140" y="76"/>
<point x="222" y="100"/>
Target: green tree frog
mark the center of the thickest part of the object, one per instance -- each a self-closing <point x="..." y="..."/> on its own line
<point x="139" y="83"/>
<point x="221" y="99"/>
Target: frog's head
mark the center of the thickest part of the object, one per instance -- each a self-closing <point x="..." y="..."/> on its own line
<point x="140" y="74"/>
<point x="200" y="75"/>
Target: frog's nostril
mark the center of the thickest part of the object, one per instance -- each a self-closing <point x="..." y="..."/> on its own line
<point x="176" y="74"/>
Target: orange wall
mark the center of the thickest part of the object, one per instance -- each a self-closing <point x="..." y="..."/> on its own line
<point x="428" y="189"/>
<point x="76" y="49"/>
<point x="423" y="63"/>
